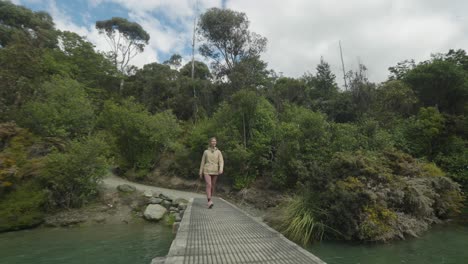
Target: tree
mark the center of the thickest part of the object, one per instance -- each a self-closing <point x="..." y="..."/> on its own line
<point x="228" y="39"/>
<point x="86" y="65"/>
<point x="154" y="85"/>
<point x="325" y="83"/>
<point x="18" y="22"/>
<point x="175" y="61"/>
<point x="363" y="91"/>
<point x="126" y="39"/>
<point x="62" y="109"/>
<point x="249" y="73"/>
<point x="321" y="88"/>
<point x="440" y="83"/>
<point x="140" y="138"/>
<point x="201" y="70"/>
<point x="401" y="69"/>
<point x="287" y="90"/>
<point x="394" y="99"/>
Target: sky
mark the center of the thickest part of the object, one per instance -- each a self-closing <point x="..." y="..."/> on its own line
<point x="376" y="33"/>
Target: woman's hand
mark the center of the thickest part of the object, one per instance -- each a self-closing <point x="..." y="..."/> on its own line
<point x="200" y="175"/>
<point x="220" y="172"/>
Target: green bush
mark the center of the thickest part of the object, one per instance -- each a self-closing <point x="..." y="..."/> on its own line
<point x="300" y="143"/>
<point x="376" y="196"/>
<point x="423" y="132"/>
<point x="72" y="176"/>
<point x="62" y="109"/>
<point x="23" y="207"/>
<point x="140" y="137"/>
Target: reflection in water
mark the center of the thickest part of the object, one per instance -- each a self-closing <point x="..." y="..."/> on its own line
<point x="99" y="244"/>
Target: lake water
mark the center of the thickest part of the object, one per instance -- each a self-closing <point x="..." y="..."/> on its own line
<point x="441" y="245"/>
<point x="139" y="243"/>
<point x="97" y="244"/>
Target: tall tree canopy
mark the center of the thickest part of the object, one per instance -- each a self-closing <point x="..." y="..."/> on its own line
<point x="126" y="39"/>
<point x="228" y="39"/>
<point x="20" y="22"/>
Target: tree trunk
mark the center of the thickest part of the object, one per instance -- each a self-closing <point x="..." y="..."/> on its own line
<point x="245" y="136"/>
<point x="122" y="81"/>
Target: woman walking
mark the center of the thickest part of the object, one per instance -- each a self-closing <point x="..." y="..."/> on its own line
<point x="211" y="167"/>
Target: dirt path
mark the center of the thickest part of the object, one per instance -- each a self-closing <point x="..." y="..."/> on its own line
<point x="112" y="181"/>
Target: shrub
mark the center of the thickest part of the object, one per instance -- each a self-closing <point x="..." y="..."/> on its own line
<point x="301" y="222"/>
<point x="61" y="110"/>
<point x="140" y="137"/>
<point x="72" y="176"/>
<point x="23" y="207"/>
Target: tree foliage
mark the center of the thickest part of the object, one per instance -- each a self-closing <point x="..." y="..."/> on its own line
<point x="228" y="39"/>
<point x="126" y="39"/>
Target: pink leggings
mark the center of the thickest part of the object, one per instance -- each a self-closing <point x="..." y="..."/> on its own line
<point x="210" y="185"/>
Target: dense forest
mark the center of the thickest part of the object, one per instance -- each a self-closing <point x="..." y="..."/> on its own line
<point x="369" y="161"/>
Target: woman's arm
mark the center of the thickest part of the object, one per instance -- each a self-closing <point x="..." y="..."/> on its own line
<point x="202" y="164"/>
<point x="221" y="163"/>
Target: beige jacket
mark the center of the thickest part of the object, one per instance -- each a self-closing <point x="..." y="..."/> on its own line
<point x="212" y="162"/>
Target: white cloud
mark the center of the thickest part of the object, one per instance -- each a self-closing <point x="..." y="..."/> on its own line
<point x="378" y="33"/>
<point x="164" y="38"/>
<point x="170" y="29"/>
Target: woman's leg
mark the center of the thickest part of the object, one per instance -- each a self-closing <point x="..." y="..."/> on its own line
<point x="214" y="178"/>
<point x="208" y="186"/>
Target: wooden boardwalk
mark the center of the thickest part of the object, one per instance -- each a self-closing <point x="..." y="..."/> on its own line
<point x="225" y="234"/>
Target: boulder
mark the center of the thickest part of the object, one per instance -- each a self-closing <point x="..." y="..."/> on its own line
<point x="164" y="197"/>
<point x="154" y="212"/>
<point x="126" y="188"/>
<point x="182" y="206"/>
<point x="158" y="260"/>
<point x="178" y="201"/>
<point x="153" y="200"/>
<point x="148" y="194"/>
<point x="178" y="218"/>
<point x="166" y="203"/>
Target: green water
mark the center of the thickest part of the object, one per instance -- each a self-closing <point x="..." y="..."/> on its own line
<point x="441" y="245"/>
<point x="99" y="244"/>
<point x="139" y="243"/>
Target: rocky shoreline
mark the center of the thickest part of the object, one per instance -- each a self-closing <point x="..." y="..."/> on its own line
<point x="123" y="205"/>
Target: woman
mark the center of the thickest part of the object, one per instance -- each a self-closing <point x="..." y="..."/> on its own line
<point x="211" y="166"/>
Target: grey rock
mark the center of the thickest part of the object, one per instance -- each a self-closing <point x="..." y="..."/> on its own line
<point x="166" y="203"/>
<point x="56" y="221"/>
<point x="158" y="260"/>
<point x="135" y="205"/>
<point x="153" y="200"/>
<point x="181" y="200"/>
<point x="182" y="206"/>
<point x="148" y="194"/>
<point x="126" y="188"/>
<point x="178" y="218"/>
<point x="164" y="197"/>
<point x="154" y="212"/>
<point x="99" y="219"/>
